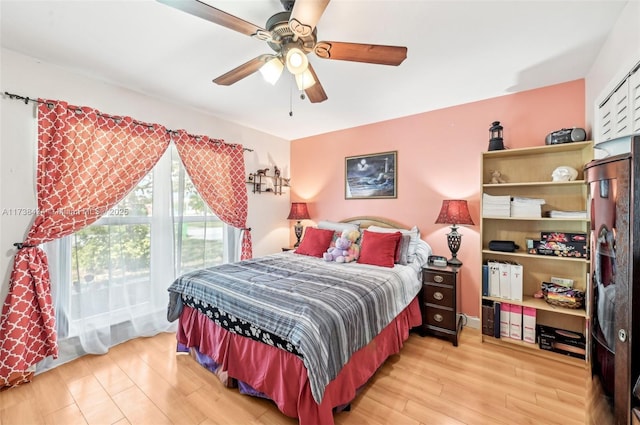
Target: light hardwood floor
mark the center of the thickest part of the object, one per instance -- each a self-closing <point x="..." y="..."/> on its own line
<point x="430" y="382"/>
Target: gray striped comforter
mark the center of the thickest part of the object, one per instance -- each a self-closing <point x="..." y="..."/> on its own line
<point x="326" y="310"/>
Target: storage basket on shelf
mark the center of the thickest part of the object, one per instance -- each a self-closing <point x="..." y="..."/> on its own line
<point x="562" y="296"/>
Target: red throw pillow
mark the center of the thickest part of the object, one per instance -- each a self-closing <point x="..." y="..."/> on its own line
<point x="379" y="249"/>
<point x="315" y="242"/>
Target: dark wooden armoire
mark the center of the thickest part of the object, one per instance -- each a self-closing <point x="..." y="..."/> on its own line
<point x="614" y="194"/>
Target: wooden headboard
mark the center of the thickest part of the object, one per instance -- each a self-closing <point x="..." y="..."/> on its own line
<point x="366" y="221"/>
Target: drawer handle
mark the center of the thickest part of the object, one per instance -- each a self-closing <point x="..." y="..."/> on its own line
<point x="438" y="278"/>
<point x="438" y="317"/>
<point x="438" y="295"/>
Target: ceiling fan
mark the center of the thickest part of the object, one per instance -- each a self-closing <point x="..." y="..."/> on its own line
<point x="291" y="34"/>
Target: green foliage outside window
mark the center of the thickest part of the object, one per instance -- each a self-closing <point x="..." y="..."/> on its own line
<point x="117" y="248"/>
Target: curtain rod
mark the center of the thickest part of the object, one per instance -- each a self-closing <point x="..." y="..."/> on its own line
<point x="50" y="105"/>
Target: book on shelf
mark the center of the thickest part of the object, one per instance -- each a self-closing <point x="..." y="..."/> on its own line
<point x="496" y="205"/>
<point x="567" y="214"/>
<point x="485" y="280"/>
<point x="497" y="308"/>
<point x="526" y="207"/>
<point x="488" y="317"/>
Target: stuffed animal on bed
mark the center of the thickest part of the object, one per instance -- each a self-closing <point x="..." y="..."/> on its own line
<point x="344" y="250"/>
<point x="354" y="250"/>
<point x="338" y="251"/>
<point x="352" y="253"/>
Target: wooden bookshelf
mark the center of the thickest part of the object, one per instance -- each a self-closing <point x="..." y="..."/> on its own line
<point x="528" y="173"/>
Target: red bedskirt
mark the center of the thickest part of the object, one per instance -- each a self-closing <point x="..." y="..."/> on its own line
<point x="282" y="376"/>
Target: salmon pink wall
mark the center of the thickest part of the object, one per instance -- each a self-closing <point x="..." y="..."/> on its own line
<point x="438" y="158"/>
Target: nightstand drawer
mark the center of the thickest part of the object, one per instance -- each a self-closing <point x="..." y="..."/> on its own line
<point x="441" y="318"/>
<point x="441" y="295"/>
<point x="440" y="278"/>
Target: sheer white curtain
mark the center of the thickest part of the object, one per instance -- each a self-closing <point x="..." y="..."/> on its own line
<point x="109" y="280"/>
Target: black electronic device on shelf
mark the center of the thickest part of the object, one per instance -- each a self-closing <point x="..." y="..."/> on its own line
<point x="566" y="135"/>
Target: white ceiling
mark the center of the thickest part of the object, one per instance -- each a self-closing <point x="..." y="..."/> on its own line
<point x="458" y="52"/>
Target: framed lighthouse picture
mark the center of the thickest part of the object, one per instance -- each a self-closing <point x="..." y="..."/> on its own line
<point x="372" y="176"/>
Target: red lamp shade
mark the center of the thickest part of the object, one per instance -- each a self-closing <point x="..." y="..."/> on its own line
<point x="298" y="211"/>
<point x="454" y="211"/>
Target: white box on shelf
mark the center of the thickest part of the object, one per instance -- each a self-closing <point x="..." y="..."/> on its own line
<point x="494" y="278"/>
<point x="505" y="313"/>
<point x="505" y="280"/>
<point x="515" y="281"/>
<point x="529" y="324"/>
<point x="515" y="322"/>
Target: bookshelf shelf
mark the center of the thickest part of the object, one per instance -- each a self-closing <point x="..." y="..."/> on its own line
<point x="540" y="304"/>
<point x="531" y="184"/>
<point x="522" y="254"/>
<point x="528" y="174"/>
<point x="537" y="219"/>
<point x="533" y="349"/>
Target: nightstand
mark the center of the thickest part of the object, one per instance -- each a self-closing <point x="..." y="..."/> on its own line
<point x="439" y="302"/>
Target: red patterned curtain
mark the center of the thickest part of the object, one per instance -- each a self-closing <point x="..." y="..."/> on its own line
<point x="217" y="171"/>
<point x="87" y="162"/>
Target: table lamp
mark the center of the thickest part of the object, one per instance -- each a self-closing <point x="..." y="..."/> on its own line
<point x="454" y="211"/>
<point x="298" y="212"/>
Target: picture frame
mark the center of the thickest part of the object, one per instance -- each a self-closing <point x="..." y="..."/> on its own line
<point x="371" y="176"/>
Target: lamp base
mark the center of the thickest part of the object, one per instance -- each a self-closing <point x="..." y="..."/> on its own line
<point x="298" y="231"/>
<point x="453" y="240"/>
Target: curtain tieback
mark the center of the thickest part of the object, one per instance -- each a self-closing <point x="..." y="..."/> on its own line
<point x="21" y="245"/>
<point x="248" y="229"/>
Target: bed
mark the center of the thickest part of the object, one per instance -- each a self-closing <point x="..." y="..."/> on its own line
<point x="298" y="330"/>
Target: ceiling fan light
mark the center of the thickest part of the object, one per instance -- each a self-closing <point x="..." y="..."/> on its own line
<point x="297" y="61"/>
<point x="272" y="70"/>
<point x="305" y="79"/>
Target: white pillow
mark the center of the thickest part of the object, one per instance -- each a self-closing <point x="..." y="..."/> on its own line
<point x="337" y="227"/>
<point x="413" y="232"/>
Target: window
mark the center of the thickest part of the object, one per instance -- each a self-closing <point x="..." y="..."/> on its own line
<point x="122" y="264"/>
<point x="198" y="232"/>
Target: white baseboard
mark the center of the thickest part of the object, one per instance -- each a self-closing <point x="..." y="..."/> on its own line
<point x="472" y="322"/>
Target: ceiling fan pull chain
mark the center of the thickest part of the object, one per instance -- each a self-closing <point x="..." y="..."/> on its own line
<point x="291" y="97"/>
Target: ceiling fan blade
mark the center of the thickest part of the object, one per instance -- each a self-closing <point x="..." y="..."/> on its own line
<point x="315" y="93"/>
<point x="305" y="15"/>
<point x="217" y="16"/>
<point x="356" y="52"/>
<point x="243" y="70"/>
